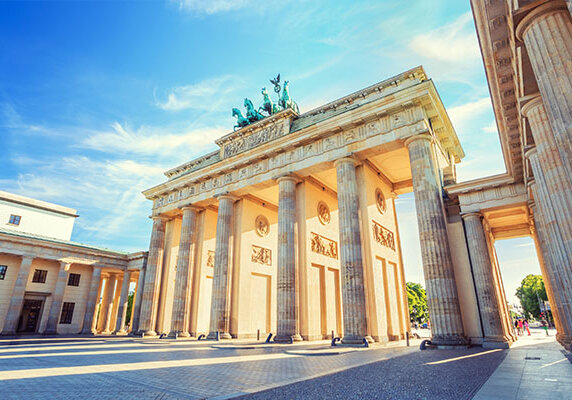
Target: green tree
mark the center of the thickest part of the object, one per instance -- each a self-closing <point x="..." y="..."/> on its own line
<point x="129" y="305"/>
<point x="530" y="290"/>
<point x="417" y="300"/>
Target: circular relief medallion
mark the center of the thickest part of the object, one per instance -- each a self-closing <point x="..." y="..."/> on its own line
<point x="323" y="213"/>
<point x="380" y="201"/>
<point x="261" y="225"/>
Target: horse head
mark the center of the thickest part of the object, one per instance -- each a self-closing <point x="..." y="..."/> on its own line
<point x="264" y="92"/>
<point x="235" y="112"/>
<point x="248" y="104"/>
<point x="285" y="85"/>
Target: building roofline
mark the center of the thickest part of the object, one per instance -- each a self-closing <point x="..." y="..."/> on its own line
<point x="39" y="204"/>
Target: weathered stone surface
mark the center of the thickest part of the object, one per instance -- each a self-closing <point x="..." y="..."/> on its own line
<point x="55" y="308"/>
<point x="90" y="308"/>
<point x="17" y="299"/>
<point x="122" y="308"/>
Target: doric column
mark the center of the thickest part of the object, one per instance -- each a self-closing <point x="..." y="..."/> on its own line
<point x="137" y="301"/>
<point x="92" y="301"/>
<point x="287" y="313"/>
<point x="351" y="258"/>
<point x="442" y="299"/>
<point x="555" y="173"/>
<point x="150" y="298"/>
<point x="181" y="298"/>
<point x="57" y="299"/>
<point x="107" y="307"/>
<point x="220" y="304"/>
<point x="545" y="261"/>
<point x="484" y="282"/>
<point x="17" y="298"/>
<point x="123" y="303"/>
<point x="547" y="34"/>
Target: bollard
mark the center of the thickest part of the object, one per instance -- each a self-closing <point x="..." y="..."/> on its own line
<point x="268" y="338"/>
<point x="424" y="344"/>
<point x="365" y="342"/>
<point x="258" y="334"/>
<point x="201" y="337"/>
<point x="163" y="336"/>
<point x="217" y="337"/>
<point x="291" y="339"/>
<point x="334" y="340"/>
<point x="407" y="338"/>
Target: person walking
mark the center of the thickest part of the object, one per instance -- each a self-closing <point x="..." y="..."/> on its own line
<point x="520" y="332"/>
<point x="545" y="326"/>
<point x="525" y="323"/>
<point x="516" y="326"/>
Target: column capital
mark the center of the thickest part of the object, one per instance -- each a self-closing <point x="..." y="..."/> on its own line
<point x="287" y="178"/>
<point x="159" y="217"/>
<point x="533" y="103"/>
<point x="350" y="158"/>
<point x="226" y="195"/>
<point x="468" y="215"/>
<point x="530" y="153"/>
<point x="423" y="136"/>
<point x="191" y="208"/>
<point x="65" y="265"/>
<point x="523" y="20"/>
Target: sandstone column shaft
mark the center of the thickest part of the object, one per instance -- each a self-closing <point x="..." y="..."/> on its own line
<point x="57" y="299"/>
<point x="442" y="299"/>
<point x="151" y="289"/>
<point x="484" y="281"/>
<point x="547" y="35"/>
<point x="181" y="299"/>
<point x="17" y="298"/>
<point x="108" y="310"/>
<point x="92" y="300"/>
<point x="287" y="314"/>
<point x="556" y="178"/>
<point x="123" y="303"/>
<point x="351" y="258"/>
<point x="137" y="301"/>
<point x="220" y="304"/>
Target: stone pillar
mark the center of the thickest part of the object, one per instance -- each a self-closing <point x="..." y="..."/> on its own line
<point x="151" y="289"/>
<point x="185" y="261"/>
<point x="17" y="298"/>
<point x="287" y="312"/>
<point x="545" y="261"/>
<point x="442" y="299"/>
<point x="484" y="282"/>
<point x="547" y="34"/>
<point x="108" y="303"/>
<point x="57" y="299"/>
<point x="137" y="301"/>
<point x="220" y="304"/>
<point x="556" y="178"/>
<point x="351" y="258"/>
<point x="123" y="303"/>
<point x="92" y="300"/>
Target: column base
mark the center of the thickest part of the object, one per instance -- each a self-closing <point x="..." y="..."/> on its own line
<point x="89" y="333"/>
<point x="449" y="341"/>
<point x="353" y="339"/>
<point x="288" y="338"/>
<point x="148" y="333"/>
<point x="50" y="332"/>
<point x="494" y="343"/>
<point x="175" y="334"/>
<point x="120" y="333"/>
<point x="222" y="335"/>
<point x="106" y="332"/>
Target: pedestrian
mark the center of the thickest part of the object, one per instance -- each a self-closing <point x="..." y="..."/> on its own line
<point x="545" y="326"/>
<point x="520" y="332"/>
<point x="525" y="323"/>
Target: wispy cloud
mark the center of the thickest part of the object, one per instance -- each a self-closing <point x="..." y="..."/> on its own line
<point x="211" y="6"/>
<point x="463" y="116"/>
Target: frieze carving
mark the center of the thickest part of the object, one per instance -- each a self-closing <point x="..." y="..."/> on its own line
<point x="324" y="246"/>
<point x="264" y="135"/>
<point x="210" y="258"/>
<point x="261" y="225"/>
<point x="323" y="213"/>
<point x="194" y="165"/>
<point x="383" y="236"/>
<point x="261" y="255"/>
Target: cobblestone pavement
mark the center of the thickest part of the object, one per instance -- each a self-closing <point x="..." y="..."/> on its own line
<point x="125" y="368"/>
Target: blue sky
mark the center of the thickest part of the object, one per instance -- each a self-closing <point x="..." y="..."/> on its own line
<point x="98" y="99"/>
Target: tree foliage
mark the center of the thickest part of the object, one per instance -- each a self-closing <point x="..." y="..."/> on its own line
<point x="129" y="306"/>
<point x="530" y="290"/>
<point x="417" y="300"/>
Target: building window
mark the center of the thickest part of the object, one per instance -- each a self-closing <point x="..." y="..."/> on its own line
<point x="74" y="280"/>
<point x="40" y="276"/>
<point x="14" y="219"/>
<point x="3" y="269"/>
<point x="67" y="313"/>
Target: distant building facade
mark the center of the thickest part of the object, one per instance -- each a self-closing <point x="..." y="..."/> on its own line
<point x="51" y="285"/>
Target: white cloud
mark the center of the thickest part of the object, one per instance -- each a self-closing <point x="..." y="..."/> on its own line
<point x="492" y="128"/>
<point x="211" y="6"/>
<point x="464" y="115"/>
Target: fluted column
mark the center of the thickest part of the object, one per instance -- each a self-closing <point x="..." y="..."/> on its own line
<point x="17" y="298"/>
<point x="287" y="313"/>
<point x="556" y="178"/>
<point x="92" y="301"/>
<point x="442" y="299"/>
<point x="484" y="282"/>
<point x="545" y="262"/>
<point x="560" y="257"/>
<point x="181" y="299"/>
<point x="123" y="303"/>
<point x="220" y="304"/>
<point x="137" y="301"/>
<point x="108" y="309"/>
<point x="57" y="299"/>
<point x="547" y="35"/>
<point x="351" y="258"/>
<point x="151" y="289"/>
